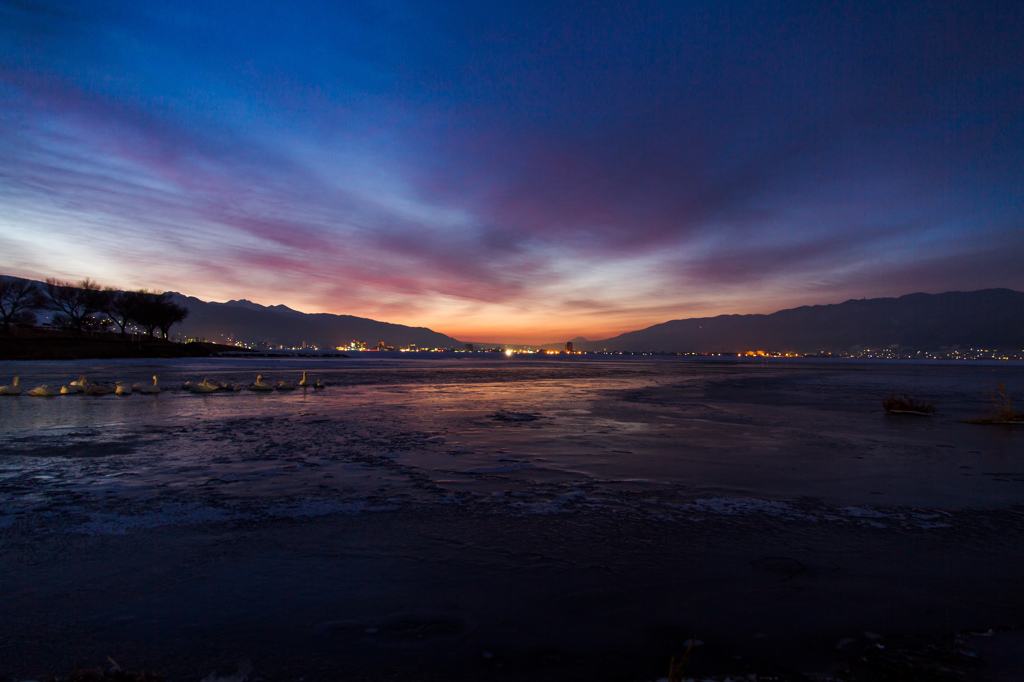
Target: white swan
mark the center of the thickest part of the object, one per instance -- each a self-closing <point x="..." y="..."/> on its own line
<point x="319" y="384"/>
<point x="155" y="388"/>
<point x="138" y="386"/>
<point x="11" y="390"/>
<point x="76" y="386"/>
<point x="285" y="386"/>
<point x="260" y="385"/>
<point x="122" y="388"/>
<point x="305" y="382"/>
<point x="44" y="391"/>
<point x="206" y="386"/>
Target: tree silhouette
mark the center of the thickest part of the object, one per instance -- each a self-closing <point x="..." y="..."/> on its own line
<point x="74" y="304"/>
<point x="170" y="314"/>
<point x="18" y="298"/>
<point x="121" y="307"/>
<point x="145" y="312"/>
<point x="156" y="311"/>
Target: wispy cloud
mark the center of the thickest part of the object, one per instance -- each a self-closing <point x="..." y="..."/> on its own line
<point x="523" y="175"/>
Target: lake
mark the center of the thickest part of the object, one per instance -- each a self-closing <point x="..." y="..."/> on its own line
<point x="488" y="517"/>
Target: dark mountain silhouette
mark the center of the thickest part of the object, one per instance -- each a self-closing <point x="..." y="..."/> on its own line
<point x="990" y="318"/>
<point x="278" y="324"/>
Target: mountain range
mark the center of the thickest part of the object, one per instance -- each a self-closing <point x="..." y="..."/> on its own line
<point x="280" y="325"/>
<point x="989" y="318"/>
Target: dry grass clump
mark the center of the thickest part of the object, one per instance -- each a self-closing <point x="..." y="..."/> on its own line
<point x="904" y="404"/>
<point x="1002" y="408"/>
<point x="675" y="670"/>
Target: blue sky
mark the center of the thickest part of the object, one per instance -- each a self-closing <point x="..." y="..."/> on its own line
<point x="528" y="172"/>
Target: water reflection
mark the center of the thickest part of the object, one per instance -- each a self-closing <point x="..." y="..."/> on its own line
<point x="604" y="434"/>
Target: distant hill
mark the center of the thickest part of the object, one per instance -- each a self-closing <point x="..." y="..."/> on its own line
<point x="990" y="318"/>
<point x="279" y="324"/>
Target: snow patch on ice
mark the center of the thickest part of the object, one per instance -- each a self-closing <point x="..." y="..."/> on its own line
<point x="862" y="513"/>
<point x="545" y="507"/>
<point x="739" y="505"/>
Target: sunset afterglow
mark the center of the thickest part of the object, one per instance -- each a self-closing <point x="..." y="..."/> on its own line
<point x="514" y="173"/>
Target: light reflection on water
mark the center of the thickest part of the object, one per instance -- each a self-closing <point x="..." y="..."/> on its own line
<point x="515" y="436"/>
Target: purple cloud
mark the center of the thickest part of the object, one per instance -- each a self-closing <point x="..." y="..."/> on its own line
<point x="495" y="169"/>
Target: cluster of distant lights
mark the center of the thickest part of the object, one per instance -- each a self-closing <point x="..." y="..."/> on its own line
<point x="893" y="354"/>
<point x="863" y="354"/>
<point x="954" y="354"/>
<point x="363" y="346"/>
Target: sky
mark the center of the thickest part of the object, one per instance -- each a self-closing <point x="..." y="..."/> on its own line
<point x="520" y="172"/>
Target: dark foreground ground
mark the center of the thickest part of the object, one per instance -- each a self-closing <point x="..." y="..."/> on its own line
<point x="426" y="595"/>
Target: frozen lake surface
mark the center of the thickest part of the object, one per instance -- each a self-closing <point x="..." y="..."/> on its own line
<point x="475" y="516"/>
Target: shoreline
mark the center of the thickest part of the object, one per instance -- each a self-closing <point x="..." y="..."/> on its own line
<point x="46" y="344"/>
<point x="38" y="344"/>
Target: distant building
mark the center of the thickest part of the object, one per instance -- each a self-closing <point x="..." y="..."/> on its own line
<point x="469" y="348"/>
<point x="568" y="346"/>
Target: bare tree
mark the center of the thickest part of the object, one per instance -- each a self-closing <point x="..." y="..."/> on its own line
<point x="74" y="304"/>
<point x="157" y="311"/>
<point x="121" y="307"/>
<point x="170" y="314"/>
<point x="18" y="298"/>
<point x="146" y="310"/>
